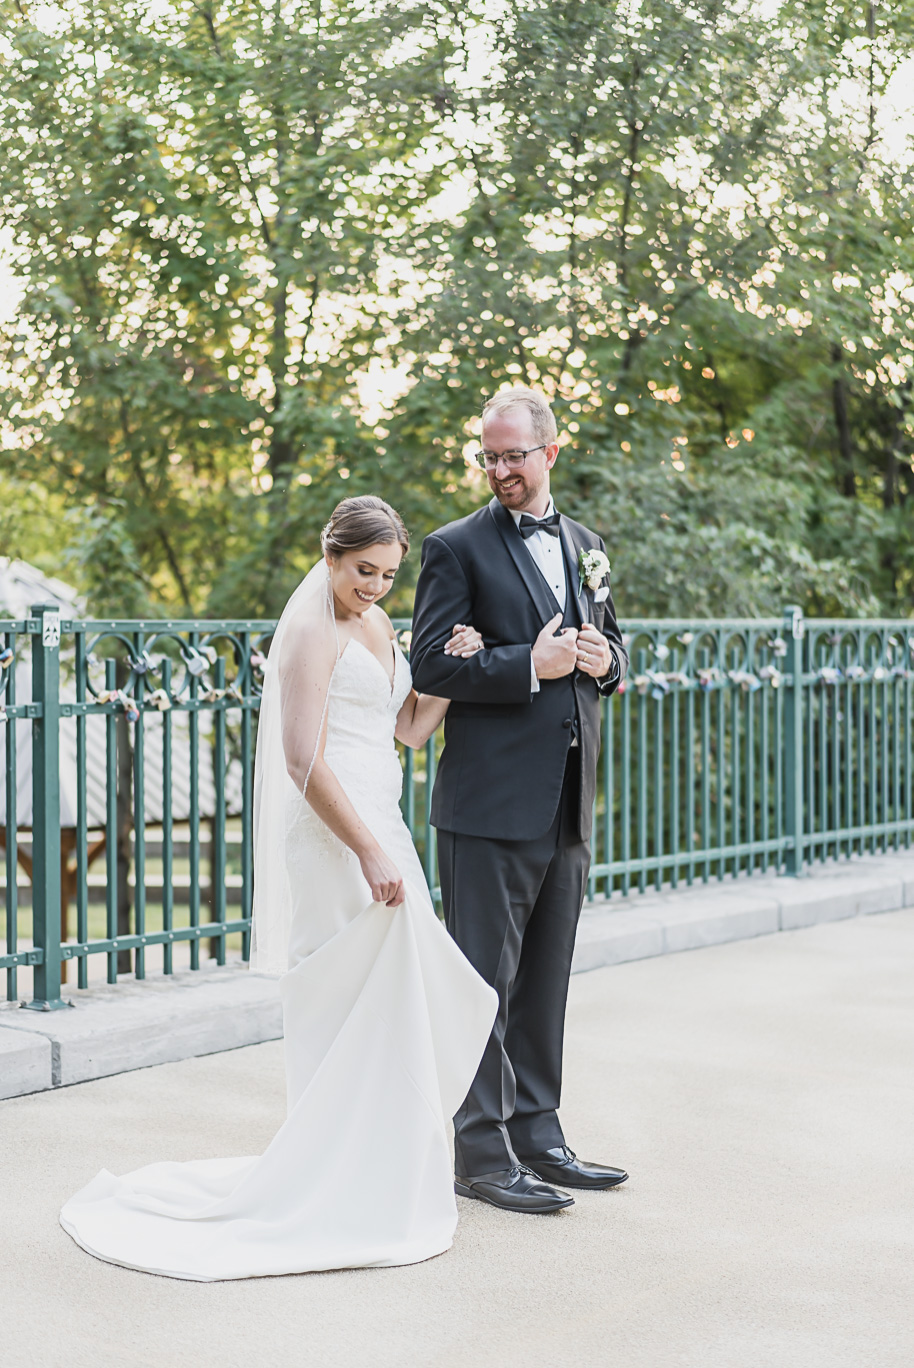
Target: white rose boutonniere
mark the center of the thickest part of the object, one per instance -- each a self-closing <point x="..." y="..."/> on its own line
<point x="592" y="567"/>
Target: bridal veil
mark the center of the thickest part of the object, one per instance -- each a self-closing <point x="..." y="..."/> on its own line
<point x="296" y="690"/>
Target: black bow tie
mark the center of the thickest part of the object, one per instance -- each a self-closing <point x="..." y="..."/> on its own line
<point x="528" y="525"/>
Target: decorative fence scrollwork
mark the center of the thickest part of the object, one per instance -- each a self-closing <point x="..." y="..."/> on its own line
<point x="735" y="746"/>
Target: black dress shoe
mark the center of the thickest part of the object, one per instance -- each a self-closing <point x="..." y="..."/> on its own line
<point x="513" y="1189"/>
<point x="561" y="1166"/>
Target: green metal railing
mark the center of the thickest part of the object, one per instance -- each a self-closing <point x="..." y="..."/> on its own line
<point x="195" y="686"/>
<point x="754" y="745"/>
<point x="735" y="746"/>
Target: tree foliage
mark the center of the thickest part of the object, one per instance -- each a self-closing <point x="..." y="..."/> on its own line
<point x="275" y="253"/>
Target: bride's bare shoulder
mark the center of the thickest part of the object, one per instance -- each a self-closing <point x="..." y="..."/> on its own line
<point x="380" y="619"/>
<point x="305" y="640"/>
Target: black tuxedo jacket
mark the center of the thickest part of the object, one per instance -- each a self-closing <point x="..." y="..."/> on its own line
<point x="506" y="747"/>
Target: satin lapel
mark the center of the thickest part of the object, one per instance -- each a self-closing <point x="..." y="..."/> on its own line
<point x="536" y="585"/>
<point x="571" y="560"/>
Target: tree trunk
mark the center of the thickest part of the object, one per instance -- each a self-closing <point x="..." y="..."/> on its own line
<point x="891" y="493"/>
<point x="846" y="479"/>
<point x="282" y="450"/>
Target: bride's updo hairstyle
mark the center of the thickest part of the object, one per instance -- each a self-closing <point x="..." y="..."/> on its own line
<point x="360" y="522"/>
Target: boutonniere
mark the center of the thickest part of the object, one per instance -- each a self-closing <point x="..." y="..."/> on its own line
<point x="592" y="567"/>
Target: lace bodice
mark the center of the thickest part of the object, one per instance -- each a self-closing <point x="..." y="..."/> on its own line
<point x="363" y="704"/>
<point x="361" y="719"/>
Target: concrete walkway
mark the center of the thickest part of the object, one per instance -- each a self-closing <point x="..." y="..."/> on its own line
<point x="760" y="1093"/>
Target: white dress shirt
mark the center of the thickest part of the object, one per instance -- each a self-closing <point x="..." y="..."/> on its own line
<point x="548" y="556"/>
<point x="550" y="561"/>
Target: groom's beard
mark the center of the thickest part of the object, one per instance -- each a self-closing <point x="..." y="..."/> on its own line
<point x="521" y="496"/>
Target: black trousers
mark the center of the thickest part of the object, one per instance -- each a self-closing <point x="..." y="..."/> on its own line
<point x="513" y="908"/>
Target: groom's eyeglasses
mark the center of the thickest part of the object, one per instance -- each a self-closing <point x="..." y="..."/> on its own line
<point x="512" y="459"/>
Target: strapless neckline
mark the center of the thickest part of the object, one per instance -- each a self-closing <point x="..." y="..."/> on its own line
<point x="391" y="678"/>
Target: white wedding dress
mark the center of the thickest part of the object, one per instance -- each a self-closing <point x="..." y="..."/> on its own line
<point x="385" y="1023"/>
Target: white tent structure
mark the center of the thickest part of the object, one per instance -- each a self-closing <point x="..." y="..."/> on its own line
<point x="21" y="586"/>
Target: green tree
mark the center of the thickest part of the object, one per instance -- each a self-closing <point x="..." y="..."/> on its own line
<point x="197" y="194"/>
<point x="688" y="226"/>
<point x="684" y="225"/>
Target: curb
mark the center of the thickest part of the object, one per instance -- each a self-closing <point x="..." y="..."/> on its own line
<point x="652" y="923"/>
<point x="131" y="1025"/>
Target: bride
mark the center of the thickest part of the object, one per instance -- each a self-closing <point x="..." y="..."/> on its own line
<point x="384" y="1020"/>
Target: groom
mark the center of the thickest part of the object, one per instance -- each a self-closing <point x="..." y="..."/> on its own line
<point x="514" y="793"/>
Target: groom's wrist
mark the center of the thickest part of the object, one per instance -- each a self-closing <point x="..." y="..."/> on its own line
<point x="612" y="672"/>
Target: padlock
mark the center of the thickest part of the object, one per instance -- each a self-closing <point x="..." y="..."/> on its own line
<point x="747" y="681"/>
<point x="196" y="664"/>
<point x="131" y="711"/>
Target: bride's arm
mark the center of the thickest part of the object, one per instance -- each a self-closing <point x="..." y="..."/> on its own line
<point x="303" y="691"/>
<point x="422" y="714"/>
<point x="419" y="718"/>
<point x="328" y="799"/>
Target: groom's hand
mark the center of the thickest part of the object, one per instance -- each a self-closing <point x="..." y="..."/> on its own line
<point x="593" y="652"/>
<point x="555" y="656"/>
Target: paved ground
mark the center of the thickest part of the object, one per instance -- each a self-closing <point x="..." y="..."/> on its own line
<point x="760" y="1093"/>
